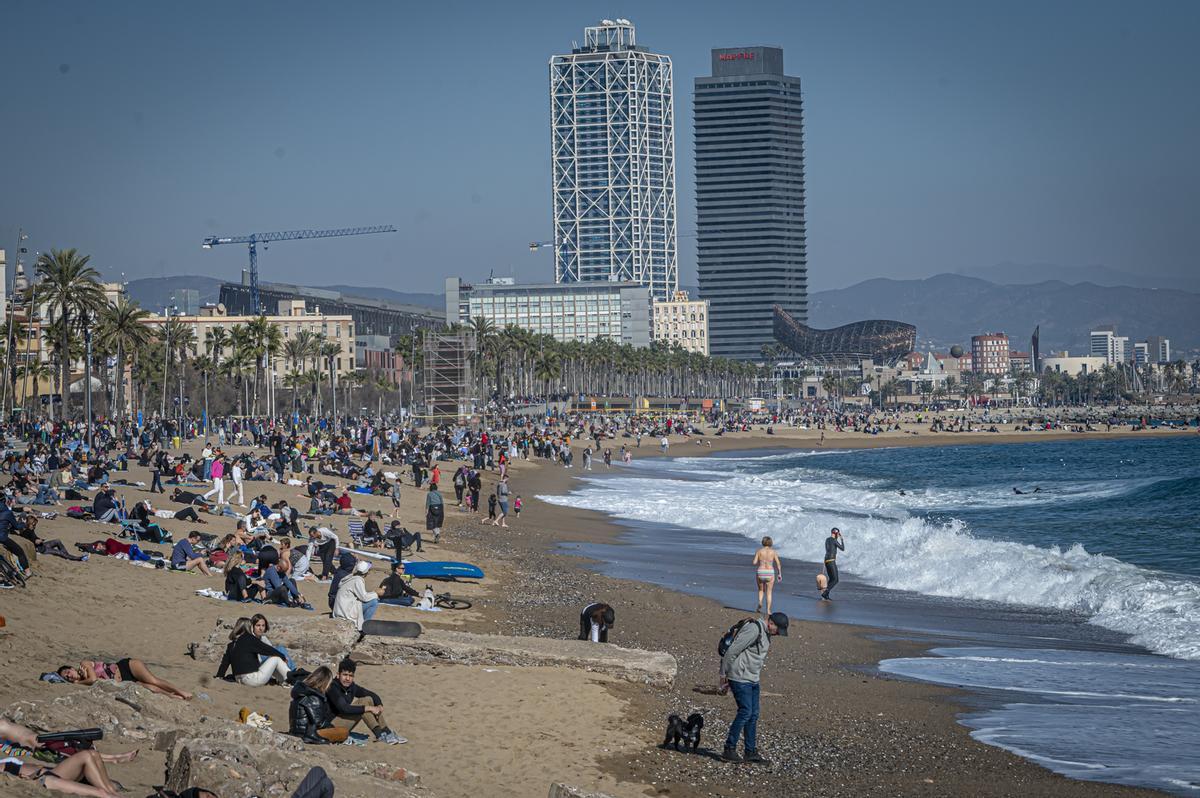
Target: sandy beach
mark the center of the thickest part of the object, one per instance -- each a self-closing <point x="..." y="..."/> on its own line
<point x="830" y="723"/>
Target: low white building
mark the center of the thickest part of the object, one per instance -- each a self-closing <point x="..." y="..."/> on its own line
<point x="291" y="319"/>
<point x="683" y="321"/>
<point x="578" y="311"/>
<point x="1064" y="363"/>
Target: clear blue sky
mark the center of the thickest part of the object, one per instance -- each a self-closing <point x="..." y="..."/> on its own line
<point x="941" y="136"/>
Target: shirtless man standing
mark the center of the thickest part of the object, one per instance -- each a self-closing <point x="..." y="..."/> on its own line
<point x="767" y="571"/>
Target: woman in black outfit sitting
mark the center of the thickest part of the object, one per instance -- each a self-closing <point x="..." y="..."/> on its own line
<point x="242" y="657"/>
<point x="238" y="585"/>
<point x="310" y="716"/>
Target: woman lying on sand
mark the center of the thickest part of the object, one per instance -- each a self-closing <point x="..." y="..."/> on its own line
<point x="82" y="773"/>
<point x="125" y="670"/>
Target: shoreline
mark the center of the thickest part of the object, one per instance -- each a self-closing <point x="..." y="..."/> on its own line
<point x="870" y="748"/>
<point x="833" y="723"/>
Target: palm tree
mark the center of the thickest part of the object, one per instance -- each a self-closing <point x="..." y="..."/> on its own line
<point x="329" y="352"/>
<point x="829" y="383"/>
<point x="72" y="287"/>
<point x="548" y="369"/>
<point x="236" y="367"/>
<point x="122" y="329"/>
<point x="258" y="334"/>
<point x="38" y="372"/>
<point x="215" y="343"/>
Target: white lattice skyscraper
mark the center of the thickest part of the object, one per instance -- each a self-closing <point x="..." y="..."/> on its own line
<point x="612" y="132"/>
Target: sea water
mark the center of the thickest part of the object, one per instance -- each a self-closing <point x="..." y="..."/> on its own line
<point x="1104" y="533"/>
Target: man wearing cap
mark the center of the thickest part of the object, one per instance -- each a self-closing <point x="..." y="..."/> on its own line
<point x="741" y="667"/>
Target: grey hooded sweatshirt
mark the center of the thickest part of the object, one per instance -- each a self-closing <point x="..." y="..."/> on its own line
<point x="744" y="660"/>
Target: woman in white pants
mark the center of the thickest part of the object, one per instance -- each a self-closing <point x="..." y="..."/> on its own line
<point x="238" y="476"/>
<point x="242" y="658"/>
<point x="218" y="478"/>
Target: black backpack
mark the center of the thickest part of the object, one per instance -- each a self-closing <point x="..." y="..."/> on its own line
<point x="727" y="639"/>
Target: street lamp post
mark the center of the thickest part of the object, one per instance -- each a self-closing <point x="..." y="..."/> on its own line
<point x="87" y="375"/>
<point x="10" y="370"/>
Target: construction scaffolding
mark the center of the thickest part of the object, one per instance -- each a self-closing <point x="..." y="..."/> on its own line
<point x="449" y="381"/>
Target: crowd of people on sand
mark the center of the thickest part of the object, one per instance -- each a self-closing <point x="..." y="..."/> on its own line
<point x="265" y="553"/>
<point x="277" y="552"/>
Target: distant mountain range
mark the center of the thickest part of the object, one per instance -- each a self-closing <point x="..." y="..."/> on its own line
<point x="950" y="308"/>
<point x="1034" y="273"/>
<point x="947" y="308"/>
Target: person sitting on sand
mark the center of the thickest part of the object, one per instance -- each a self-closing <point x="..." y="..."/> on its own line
<point x="352" y="703"/>
<point x="402" y="539"/>
<point x="123" y="670"/>
<point x="104" y="506"/>
<point x="280" y="588"/>
<point x="288" y="524"/>
<point x="396" y="590"/>
<point x="767" y="571"/>
<point x="310" y="716"/>
<point x="238" y="584"/>
<point x="242" y="658"/>
<point x="353" y="601"/>
<point x="184" y="556"/>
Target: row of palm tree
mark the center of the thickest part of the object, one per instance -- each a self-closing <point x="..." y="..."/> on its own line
<point x="230" y="366"/>
<point x="163" y="358"/>
<point x="516" y="361"/>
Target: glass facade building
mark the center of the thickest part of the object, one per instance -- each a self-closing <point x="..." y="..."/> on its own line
<point x="619" y="312"/>
<point x="612" y="141"/>
<point x="749" y="128"/>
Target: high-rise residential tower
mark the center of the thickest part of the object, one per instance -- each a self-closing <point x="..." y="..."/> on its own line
<point x="612" y="134"/>
<point x="750" y="249"/>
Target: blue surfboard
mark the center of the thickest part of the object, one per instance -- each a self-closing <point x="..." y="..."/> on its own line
<point x="442" y="570"/>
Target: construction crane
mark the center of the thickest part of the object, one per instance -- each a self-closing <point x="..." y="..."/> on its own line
<point x="254" y="239"/>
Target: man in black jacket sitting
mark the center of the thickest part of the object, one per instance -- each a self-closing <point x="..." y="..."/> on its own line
<point x="352" y="702"/>
<point x="104" y="506"/>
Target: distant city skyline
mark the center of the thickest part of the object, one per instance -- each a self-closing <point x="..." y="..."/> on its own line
<point x="940" y="137"/>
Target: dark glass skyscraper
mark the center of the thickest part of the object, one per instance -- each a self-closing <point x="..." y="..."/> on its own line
<point x="749" y="198"/>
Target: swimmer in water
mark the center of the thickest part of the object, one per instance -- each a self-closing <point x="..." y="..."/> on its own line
<point x="767" y="571"/>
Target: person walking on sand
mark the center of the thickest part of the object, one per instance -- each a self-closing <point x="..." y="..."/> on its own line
<point x="218" y="481"/>
<point x="833" y="544"/>
<point x="741" y="669"/>
<point x="767" y="571"/>
<point x="502" y="493"/>
<point x="239" y="476"/>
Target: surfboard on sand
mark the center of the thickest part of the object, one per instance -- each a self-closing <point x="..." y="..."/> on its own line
<point x="442" y="570"/>
<point x="409" y="629"/>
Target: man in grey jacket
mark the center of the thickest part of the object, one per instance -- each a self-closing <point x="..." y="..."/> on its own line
<point x="741" y="667"/>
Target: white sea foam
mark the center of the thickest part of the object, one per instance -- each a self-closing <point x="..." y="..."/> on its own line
<point x="889" y="547"/>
